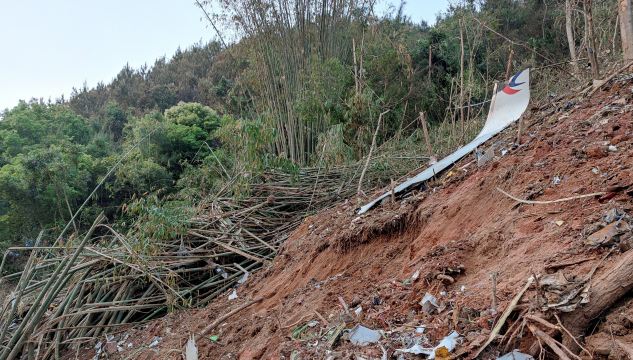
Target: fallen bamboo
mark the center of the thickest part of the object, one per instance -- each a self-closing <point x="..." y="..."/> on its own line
<point x="426" y="135"/>
<point x="27" y="325"/>
<point x="229" y="247"/>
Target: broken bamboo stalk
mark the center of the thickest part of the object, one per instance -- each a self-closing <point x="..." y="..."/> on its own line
<point x="520" y="131"/>
<point x="371" y="150"/>
<point x="426" y="135"/>
<point x="509" y="70"/>
<point x="514" y="332"/>
<point x="430" y="62"/>
<point x="229" y="247"/>
<point x="503" y="318"/>
<point x="567" y="263"/>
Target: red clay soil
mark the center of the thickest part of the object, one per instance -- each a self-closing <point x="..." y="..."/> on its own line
<point x="460" y="226"/>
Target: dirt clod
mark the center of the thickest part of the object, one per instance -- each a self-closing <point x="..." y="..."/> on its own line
<point x="596" y="152"/>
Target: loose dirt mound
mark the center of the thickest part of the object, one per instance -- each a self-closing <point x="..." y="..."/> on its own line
<point x="461" y="226"/>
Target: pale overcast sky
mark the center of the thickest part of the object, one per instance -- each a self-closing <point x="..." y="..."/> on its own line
<point x="49" y="47"/>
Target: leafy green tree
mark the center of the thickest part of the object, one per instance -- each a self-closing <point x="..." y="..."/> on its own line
<point x="194" y="115"/>
<point x="45" y="167"/>
<point x="40" y="186"/>
<point x="115" y="120"/>
<point x="180" y="139"/>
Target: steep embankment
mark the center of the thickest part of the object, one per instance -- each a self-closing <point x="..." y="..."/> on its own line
<point x="461" y="225"/>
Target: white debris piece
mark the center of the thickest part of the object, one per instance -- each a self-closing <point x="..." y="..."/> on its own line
<point x="192" y="350"/>
<point x="429" y="303"/>
<point x="416" y="349"/>
<point x="448" y="342"/>
<point x="361" y="335"/>
<point x="490" y="153"/>
<point x="233" y="295"/>
<point x="245" y="277"/>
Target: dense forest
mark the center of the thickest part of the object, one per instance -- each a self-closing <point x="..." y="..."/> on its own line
<point x="303" y="86"/>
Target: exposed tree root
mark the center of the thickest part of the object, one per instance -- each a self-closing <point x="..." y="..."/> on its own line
<point x="605" y="290"/>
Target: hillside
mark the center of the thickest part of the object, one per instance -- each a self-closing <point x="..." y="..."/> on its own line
<point x="461" y="226"/>
<point x="215" y="198"/>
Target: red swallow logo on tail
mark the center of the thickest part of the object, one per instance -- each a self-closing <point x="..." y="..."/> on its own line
<point x="509" y="88"/>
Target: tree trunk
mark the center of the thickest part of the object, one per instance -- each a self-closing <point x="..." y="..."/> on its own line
<point x="626" y="28"/>
<point x="355" y="67"/>
<point x="430" y="61"/>
<point x="426" y="134"/>
<point x="570" y="36"/>
<point x="461" y="76"/>
<point x="593" y="56"/>
<point x="371" y="150"/>
<point x="509" y="70"/>
<point x="609" y="287"/>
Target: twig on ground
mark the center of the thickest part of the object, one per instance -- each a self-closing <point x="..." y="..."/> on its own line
<point x="551" y="201"/>
<point x="605" y="81"/>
